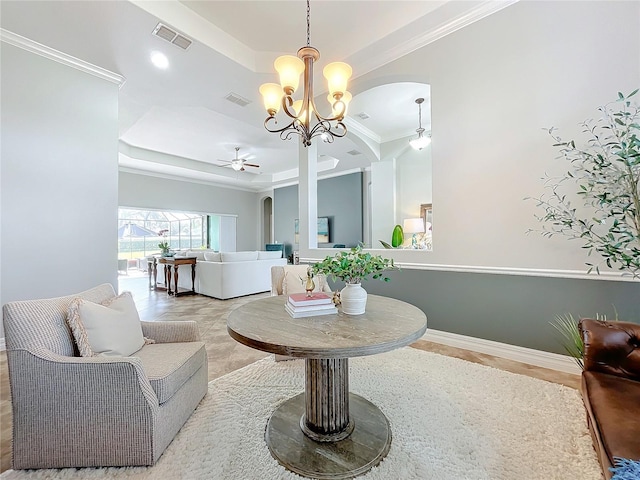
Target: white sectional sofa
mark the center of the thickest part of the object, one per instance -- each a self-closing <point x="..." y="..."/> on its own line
<point x="226" y="275"/>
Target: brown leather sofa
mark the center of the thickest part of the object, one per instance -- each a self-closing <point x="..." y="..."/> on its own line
<point x="611" y="388"/>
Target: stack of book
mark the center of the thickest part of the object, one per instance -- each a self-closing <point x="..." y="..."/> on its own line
<point x="300" y="305"/>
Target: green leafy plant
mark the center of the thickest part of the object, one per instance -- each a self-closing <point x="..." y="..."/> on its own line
<point x="606" y="173"/>
<point x="397" y="238"/>
<point x="354" y="265"/>
<point x="572" y="341"/>
<point x="164" y="246"/>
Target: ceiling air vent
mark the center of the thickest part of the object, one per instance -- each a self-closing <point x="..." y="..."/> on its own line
<point x="354" y="152"/>
<point x="172" y="36"/>
<point x="363" y="115"/>
<point x="237" y="99"/>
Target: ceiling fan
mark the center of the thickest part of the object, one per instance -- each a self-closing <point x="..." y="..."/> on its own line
<point x="238" y="164"/>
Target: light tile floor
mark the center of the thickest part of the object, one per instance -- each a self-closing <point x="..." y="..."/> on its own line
<point x="226" y="355"/>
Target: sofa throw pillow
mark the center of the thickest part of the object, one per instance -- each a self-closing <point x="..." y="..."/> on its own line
<point x="112" y="328"/>
<point x="199" y="254"/>
<point x="293" y="282"/>
<point x="212" y="256"/>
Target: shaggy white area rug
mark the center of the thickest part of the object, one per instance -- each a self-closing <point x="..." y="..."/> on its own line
<point x="451" y="420"/>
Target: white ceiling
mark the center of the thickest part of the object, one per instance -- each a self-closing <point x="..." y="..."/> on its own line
<point x="176" y="122"/>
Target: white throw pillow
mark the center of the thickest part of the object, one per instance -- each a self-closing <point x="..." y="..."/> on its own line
<point x="268" y="255"/>
<point x="212" y="256"/>
<point x="238" y="256"/>
<point x="199" y="254"/>
<point x="293" y="281"/>
<point x="111" y="329"/>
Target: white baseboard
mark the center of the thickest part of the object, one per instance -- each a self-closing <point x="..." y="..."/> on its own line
<point x="554" y="361"/>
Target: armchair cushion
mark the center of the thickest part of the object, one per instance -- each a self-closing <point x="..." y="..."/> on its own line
<point x="169" y="365"/>
<point x="111" y="328"/>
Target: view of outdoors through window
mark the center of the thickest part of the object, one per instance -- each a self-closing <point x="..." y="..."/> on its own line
<point x="140" y="231"/>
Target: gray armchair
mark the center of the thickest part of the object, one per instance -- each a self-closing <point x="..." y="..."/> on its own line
<point x="71" y="411"/>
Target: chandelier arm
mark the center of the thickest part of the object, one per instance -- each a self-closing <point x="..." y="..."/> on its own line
<point x="287" y="102"/>
<point x="277" y="130"/>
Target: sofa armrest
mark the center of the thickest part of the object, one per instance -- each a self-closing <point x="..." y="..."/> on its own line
<point x="171" y="332"/>
<point x="611" y="347"/>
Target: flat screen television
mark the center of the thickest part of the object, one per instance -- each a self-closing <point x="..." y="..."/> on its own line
<point x="323" y="230"/>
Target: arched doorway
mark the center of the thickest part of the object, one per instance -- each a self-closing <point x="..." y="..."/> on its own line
<point x="266" y="235"/>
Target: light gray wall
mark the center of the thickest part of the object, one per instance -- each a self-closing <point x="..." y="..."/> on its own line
<point x="59" y="178"/>
<point x="495" y="85"/>
<point x="339" y="199"/>
<point x="142" y="191"/>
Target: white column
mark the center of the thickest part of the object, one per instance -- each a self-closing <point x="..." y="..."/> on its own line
<point x="308" y="195"/>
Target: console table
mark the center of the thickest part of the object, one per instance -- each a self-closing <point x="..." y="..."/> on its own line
<point x="327" y="432"/>
<point x="169" y="263"/>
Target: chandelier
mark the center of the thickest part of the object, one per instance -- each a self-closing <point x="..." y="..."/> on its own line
<point x="302" y="115"/>
<point x="422" y="140"/>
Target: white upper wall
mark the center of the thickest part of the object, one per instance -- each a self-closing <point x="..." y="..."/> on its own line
<point x="59" y="190"/>
<point x="495" y="85"/>
<point x="142" y="191"/>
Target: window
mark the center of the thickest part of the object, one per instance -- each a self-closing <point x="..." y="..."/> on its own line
<point x="140" y="231"/>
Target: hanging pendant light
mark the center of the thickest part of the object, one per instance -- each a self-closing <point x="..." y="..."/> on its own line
<point x="303" y="116"/>
<point x="422" y="140"/>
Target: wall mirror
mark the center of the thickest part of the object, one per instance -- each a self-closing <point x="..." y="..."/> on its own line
<point x="396" y="178"/>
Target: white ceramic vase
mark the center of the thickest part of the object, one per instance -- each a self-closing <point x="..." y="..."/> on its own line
<point x="353" y="299"/>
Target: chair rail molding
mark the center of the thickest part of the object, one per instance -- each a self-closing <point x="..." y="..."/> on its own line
<point x="19" y="41"/>
<point x="520" y="271"/>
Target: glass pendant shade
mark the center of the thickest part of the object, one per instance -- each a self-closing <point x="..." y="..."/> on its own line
<point x="346" y="98"/>
<point x="237" y="166"/>
<point x="289" y="68"/>
<point x="272" y="96"/>
<point x="337" y="75"/>
<point x="420" y="142"/>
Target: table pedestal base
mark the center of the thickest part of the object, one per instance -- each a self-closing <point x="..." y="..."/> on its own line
<point x="355" y="455"/>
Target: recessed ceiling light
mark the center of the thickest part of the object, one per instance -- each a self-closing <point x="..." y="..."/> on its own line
<point x="160" y="60"/>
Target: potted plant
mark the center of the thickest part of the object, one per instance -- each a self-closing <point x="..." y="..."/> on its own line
<point x="164" y="248"/>
<point x="605" y="176"/>
<point x="352" y="267"/>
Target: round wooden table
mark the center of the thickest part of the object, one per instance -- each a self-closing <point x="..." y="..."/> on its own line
<point x="327" y="432"/>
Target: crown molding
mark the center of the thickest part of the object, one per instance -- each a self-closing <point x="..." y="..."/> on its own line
<point x="178" y="178"/>
<point x="60" y="57"/>
<point x="449" y="25"/>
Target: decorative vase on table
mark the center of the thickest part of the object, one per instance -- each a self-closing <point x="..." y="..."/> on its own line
<point x="353" y="298"/>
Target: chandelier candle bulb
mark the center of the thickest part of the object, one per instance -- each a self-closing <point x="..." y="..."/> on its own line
<point x="289" y="67"/>
<point x="272" y="97"/>
<point x="337" y="75"/>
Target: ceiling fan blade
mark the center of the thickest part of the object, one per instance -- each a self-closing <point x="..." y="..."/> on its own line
<point x="250" y="165"/>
